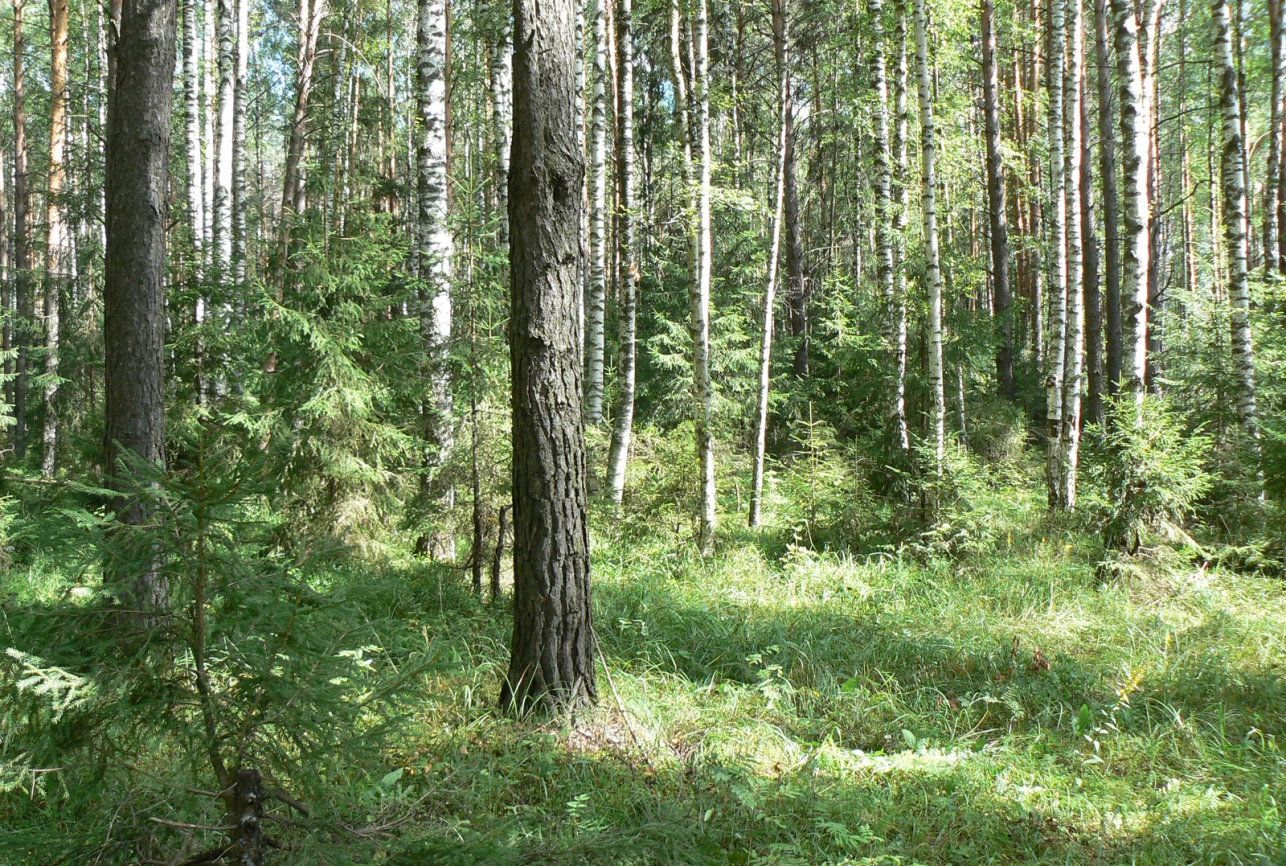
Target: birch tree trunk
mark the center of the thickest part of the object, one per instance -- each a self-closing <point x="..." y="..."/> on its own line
<point x="1235" y="219"/>
<point x="239" y="239"/>
<point x="781" y="48"/>
<point x="1093" y="412"/>
<point x="21" y="235"/>
<point x="502" y="115"/>
<point x="1111" y="200"/>
<point x="1074" y="366"/>
<point x="1057" y="216"/>
<point x="700" y="294"/>
<point x="136" y="175"/>
<point x="996" y="204"/>
<point x="551" y="663"/>
<point x="1135" y="210"/>
<point x="192" y="133"/>
<point x="210" y="94"/>
<point x="433" y="242"/>
<point x="901" y="216"/>
<point x="1276" y="138"/>
<point x="933" y="270"/>
<point x="58" y="249"/>
<point x="597" y="298"/>
<point x="222" y="237"/>
<point x="627" y="275"/>
<point x="886" y="235"/>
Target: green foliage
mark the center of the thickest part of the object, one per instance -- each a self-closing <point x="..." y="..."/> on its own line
<point x="1147" y="469"/>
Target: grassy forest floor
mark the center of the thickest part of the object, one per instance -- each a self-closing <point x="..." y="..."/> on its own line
<point x="777" y="705"/>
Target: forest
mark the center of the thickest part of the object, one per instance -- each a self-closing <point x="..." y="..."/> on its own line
<point x="775" y="432"/>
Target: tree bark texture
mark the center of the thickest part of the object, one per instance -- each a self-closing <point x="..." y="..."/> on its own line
<point x="21" y="235"/>
<point x="627" y="275"/>
<point x="1057" y="218"/>
<point x="596" y="301"/>
<point x="551" y="663"/>
<point x="1135" y="209"/>
<point x="996" y="204"/>
<point x="58" y="258"/>
<point x="933" y="268"/>
<point x="1074" y="365"/>
<point x="137" y="173"/>
<point x="1111" y="199"/>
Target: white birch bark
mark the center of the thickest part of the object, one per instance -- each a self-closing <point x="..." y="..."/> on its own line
<point x="210" y="93"/>
<point x="433" y="240"/>
<point x="192" y="130"/>
<point x="1057" y="220"/>
<point x="1135" y="209"/>
<point x="627" y="265"/>
<point x="781" y="45"/>
<point x="1074" y="365"/>
<point x="502" y="115"/>
<point x="701" y="288"/>
<point x="901" y="217"/>
<point x="933" y="268"/>
<point x="884" y="215"/>
<point x="596" y="299"/>
<point x="241" y="71"/>
<point x="1235" y="218"/>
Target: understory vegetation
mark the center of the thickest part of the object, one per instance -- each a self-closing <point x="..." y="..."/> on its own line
<point x="1000" y="688"/>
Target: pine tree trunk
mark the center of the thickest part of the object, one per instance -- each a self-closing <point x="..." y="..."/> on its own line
<point x="502" y="114"/>
<point x="1074" y="365"/>
<point x="781" y="47"/>
<point x="1111" y="200"/>
<point x="58" y="249"/>
<point x="1135" y="211"/>
<point x="997" y="207"/>
<point x="1057" y="214"/>
<point x="1235" y="219"/>
<point x="192" y="132"/>
<point x="901" y="186"/>
<point x="433" y="246"/>
<point x="627" y="275"/>
<point x="700" y="294"/>
<point x="551" y="665"/>
<point x="933" y="271"/>
<point x="137" y="174"/>
<point x="311" y="13"/>
<point x="21" y="236"/>
<point x="597" y="298"/>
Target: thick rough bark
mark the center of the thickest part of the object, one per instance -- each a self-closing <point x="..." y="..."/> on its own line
<point x="997" y="206"/>
<point x="781" y="47"/>
<point x="551" y="665"/>
<point x="21" y="236"/>
<point x="1074" y="365"/>
<point x="1233" y="180"/>
<point x="596" y="301"/>
<point x="933" y="269"/>
<point x="433" y="243"/>
<point x="1111" y="200"/>
<point x="627" y="275"/>
<point x="137" y="172"/>
<point x="1057" y="215"/>
<point x="58" y="250"/>
<point x="1135" y="209"/>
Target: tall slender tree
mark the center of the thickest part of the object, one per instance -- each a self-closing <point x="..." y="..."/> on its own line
<point x="433" y="243"/>
<point x="1276" y="138"/>
<point x="929" y="207"/>
<point x="1074" y="366"/>
<point x="1111" y="200"/>
<point x="137" y="174"/>
<point x="996" y="205"/>
<point x="240" y="242"/>
<point x="311" y="13"/>
<point x="1090" y="271"/>
<point x="781" y="47"/>
<point x="886" y="212"/>
<point x="58" y="247"/>
<point x="226" y="37"/>
<point x="1135" y="208"/>
<point x="502" y="111"/>
<point x="1056" y="214"/>
<point x="192" y="131"/>
<point x="627" y="268"/>
<point x="901" y="184"/>
<point x="1236" y="219"/>
<point x="21" y="235"/>
<point x="596" y="299"/>
<point x="551" y="663"/>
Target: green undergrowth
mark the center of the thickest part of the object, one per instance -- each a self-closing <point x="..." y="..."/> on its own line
<point x="777" y="703"/>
